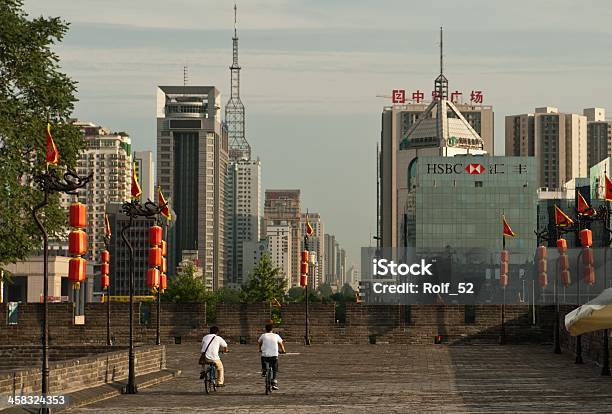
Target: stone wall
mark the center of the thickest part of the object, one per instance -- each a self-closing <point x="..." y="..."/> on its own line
<point x="85" y="372"/>
<point x="416" y="324"/>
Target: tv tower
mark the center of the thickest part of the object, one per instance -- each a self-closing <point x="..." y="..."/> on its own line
<point x="239" y="148"/>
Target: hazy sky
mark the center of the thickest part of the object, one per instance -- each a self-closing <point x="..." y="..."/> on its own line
<point x="311" y="70"/>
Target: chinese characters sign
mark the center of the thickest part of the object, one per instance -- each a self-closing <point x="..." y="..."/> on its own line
<point x="399" y="96"/>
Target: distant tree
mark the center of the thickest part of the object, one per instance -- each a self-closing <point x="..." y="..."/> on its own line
<point x="347" y="292"/>
<point x="33" y="91"/>
<point x="325" y="291"/>
<point x="265" y="283"/>
<point x="227" y="295"/>
<point x="186" y="287"/>
<point x="295" y="294"/>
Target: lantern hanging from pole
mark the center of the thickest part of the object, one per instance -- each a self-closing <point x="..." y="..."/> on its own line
<point x="564" y="262"/>
<point x="78" y="215"/>
<point x="153" y="278"/>
<point x="155" y="235"/>
<point x="503" y="280"/>
<point x="155" y="257"/>
<point x="562" y="246"/>
<point x="77" y="242"/>
<point x="104" y="281"/>
<point x="541" y="253"/>
<point x="77" y="271"/>
<point x="163" y="282"/>
<point x="543" y="279"/>
<point x="565" y="278"/>
<point x="164" y="248"/>
<point x="105" y="256"/>
<point x="586" y="237"/>
<point x="304" y="280"/>
<point x="589" y="275"/>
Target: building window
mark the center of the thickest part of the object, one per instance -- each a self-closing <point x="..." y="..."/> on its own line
<point x="477" y="183"/>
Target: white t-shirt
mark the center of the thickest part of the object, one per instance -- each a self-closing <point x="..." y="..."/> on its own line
<point x="212" y="353"/>
<point x="269" y="344"/>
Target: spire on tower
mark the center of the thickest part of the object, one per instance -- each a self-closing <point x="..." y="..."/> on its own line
<point x="441" y="83"/>
<point x="234" y="110"/>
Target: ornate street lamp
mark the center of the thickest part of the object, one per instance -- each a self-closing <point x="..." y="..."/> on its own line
<point x="51" y="182"/>
<point x="134" y="209"/>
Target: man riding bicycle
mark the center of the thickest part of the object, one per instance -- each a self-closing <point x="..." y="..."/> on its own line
<point x="212" y="344"/>
<point x="268" y="344"/>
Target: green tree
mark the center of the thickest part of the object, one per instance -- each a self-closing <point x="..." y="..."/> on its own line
<point x="32" y="92"/>
<point x="186" y="287"/>
<point x="265" y="283"/>
<point x="325" y="291"/>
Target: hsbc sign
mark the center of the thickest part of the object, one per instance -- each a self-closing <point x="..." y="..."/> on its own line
<point x="473" y="168"/>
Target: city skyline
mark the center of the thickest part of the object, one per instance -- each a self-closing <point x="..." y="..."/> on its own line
<point x="298" y="88"/>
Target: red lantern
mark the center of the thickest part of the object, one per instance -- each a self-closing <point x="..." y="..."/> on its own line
<point x="155" y="235"/>
<point x="105" y="269"/>
<point x="155" y="257"/>
<point x="163" y="282"/>
<point x="587" y="257"/>
<point x="77" y="243"/>
<point x="541" y="252"/>
<point x="304" y="268"/>
<point x="78" y="215"/>
<point x="304" y="280"/>
<point x="104" y="281"/>
<point x="164" y="248"/>
<point x="77" y="268"/>
<point x="153" y="278"/>
<point x="589" y="275"/>
<point x="562" y="246"/>
<point x="304" y="255"/>
<point x="586" y="238"/>
<point x="164" y="265"/>
<point x="503" y="280"/>
<point x="543" y="279"/>
<point x="564" y="262"/>
<point x="105" y="256"/>
<point x="505" y="256"/>
<point x="565" y="278"/>
<point x="503" y="268"/>
<point x="542" y="265"/>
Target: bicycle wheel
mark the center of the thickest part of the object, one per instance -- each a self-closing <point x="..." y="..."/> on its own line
<point x="268" y="379"/>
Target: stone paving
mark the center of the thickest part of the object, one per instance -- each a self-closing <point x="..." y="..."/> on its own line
<point x="380" y="378"/>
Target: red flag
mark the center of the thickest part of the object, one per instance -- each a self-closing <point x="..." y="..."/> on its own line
<point x="107" y="225"/>
<point x="52" y="152"/>
<point x="136" y="191"/>
<point x="162" y="201"/>
<point x="506" y="228"/>
<point x="608" y="189"/>
<point x="562" y="219"/>
<point x="583" y="206"/>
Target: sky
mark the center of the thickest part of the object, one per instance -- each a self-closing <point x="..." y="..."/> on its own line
<point x="313" y="72"/>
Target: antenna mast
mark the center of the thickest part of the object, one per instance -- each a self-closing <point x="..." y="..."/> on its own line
<point x="239" y="148"/>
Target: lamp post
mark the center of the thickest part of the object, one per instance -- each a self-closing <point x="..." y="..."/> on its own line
<point x="579" y="337"/>
<point x="51" y="182"/>
<point x="605" y="366"/>
<point x="134" y="209"/>
<point x="109" y="342"/>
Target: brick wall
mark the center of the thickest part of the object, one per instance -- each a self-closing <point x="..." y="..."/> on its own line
<point x="416" y="324"/>
<point x="89" y="371"/>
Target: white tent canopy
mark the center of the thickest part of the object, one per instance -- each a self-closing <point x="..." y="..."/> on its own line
<point x="594" y="315"/>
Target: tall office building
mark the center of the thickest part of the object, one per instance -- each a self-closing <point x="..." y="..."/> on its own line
<point x="192" y="161"/>
<point x="242" y="215"/>
<point x="316" y="244"/>
<point x="279" y="243"/>
<point x="283" y="207"/>
<point x="340" y="266"/>
<point x="145" y="168"/>
<point x="599" y="135"/>
<point x="558" y="140"/>
<point x="330" y="258"/>
<point x="440" y="130"/>
<point x="108" y="156"/>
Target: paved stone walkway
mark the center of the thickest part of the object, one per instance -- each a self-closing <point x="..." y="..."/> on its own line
<point x="380" y="379"/>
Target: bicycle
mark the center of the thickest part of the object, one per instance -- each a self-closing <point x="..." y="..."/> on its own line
<point x="210" y="378"/>
<point x="269" y="377"/>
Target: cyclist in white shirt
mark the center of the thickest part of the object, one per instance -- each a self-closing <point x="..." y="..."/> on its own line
<point x="268" y="344"/>
<point x="212" y="344"/>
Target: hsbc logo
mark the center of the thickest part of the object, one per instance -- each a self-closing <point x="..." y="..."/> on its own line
<point x="475" y="168"/>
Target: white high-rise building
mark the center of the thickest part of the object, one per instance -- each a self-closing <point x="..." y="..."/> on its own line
<point x="280" y="248"/>
<point x="145" y="169"/>
<point x="242" y="216"/>
<point x="108" y="155"/>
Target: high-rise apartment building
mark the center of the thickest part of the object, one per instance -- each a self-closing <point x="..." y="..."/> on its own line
<point x="557" y="140"/>
<point x="316" y="244"/>
<point x="145" y="169"/>
<point x="108" y="156"/>
<point x="330" y="258"/>
<point x="280" y="248"/>
<point x="599" y="135"/>
<point x="192" y="162"/>
<point x="242" y="215"/>
<point x="283" y="207"/>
